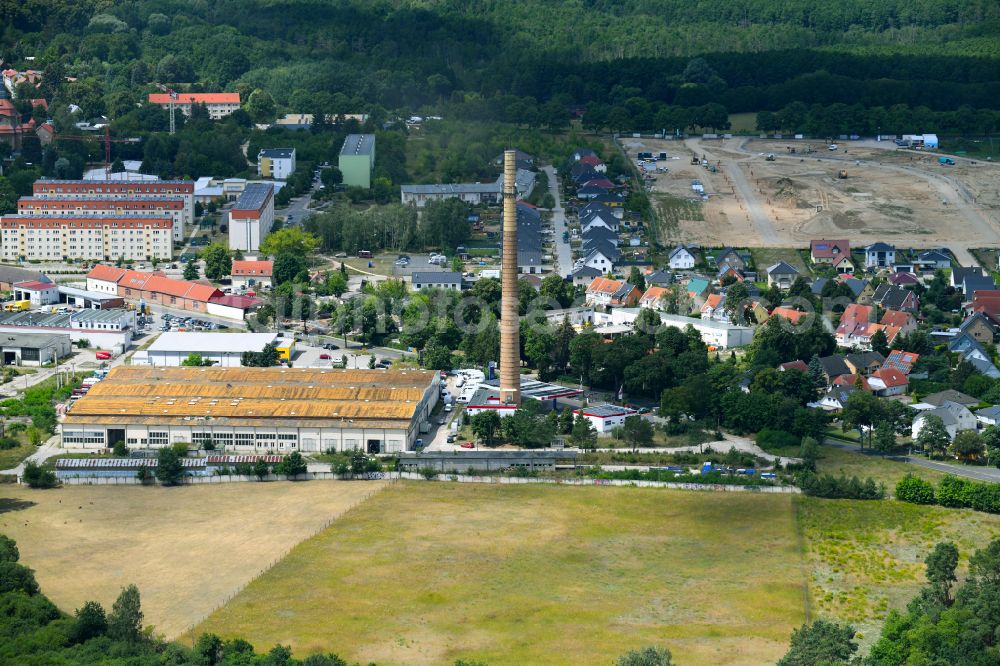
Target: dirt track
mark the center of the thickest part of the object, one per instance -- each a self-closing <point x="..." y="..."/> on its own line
<point x="901" y="197"/>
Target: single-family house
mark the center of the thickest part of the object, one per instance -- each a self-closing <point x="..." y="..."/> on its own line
<point x="903" y="279"/>
<point x="827" y="251"/>
<point x="959" y="273"/>
<point x="682" y="258"/>
<point x="605" y="291"/>
<point x="791" y="314"/>
<point x="714" y="307"/>
<point x="602" y="216"/>
<point x="886" y="382"/>
<point x="600" y="233"/>
<point x="891" y="297"/>
<point x="835" y="398"/>
<point x="844" y="265"/>
<point x="904" y="321"/>
<point x="864" y="363"/>
<point x="980" y="327"/>
<point x="862" y="290"/>
<point x="973" y="284"/>
<point x="880" y="255"/>
<point x="854" y="318"/>
<point x="732" y="257"/>
<point x="833" y="367"/>
<point x="956" y="418"/>
<point x="798" y="364"/>
<point x="251" y="274"/>
<point x="972" y="352"/>
<point x="601" y="257"/>
<point x="592" y="208"/>
<point x="932" y="260"/>
<point x="949" y="395"/>
<point x="989" y="416"/>
<point x="660" y="279"/>
<point x="901" y="360"/>
<point x="653" y="298"/>
<point x="697" y="287"/>
<point x="781" y="275"/>
<point x="583" y="275"/>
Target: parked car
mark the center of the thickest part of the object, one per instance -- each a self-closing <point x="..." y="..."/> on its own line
<point x="468" y="445"/>
<point x="451" y="439"/>
<point x="324" y="357"/>
<point x="330" y="345"/>
<point x="447" y="407"/>
<point x="441" y="420"/>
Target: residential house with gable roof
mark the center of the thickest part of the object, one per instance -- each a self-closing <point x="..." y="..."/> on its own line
<point x="827" y="251"/>
<point x="891" y="297"/>
<point x="904" y="321"/>
<point x="980" y="327"/>
<point x="781" y="275"/>
<point x="956" y="418"/>
<point x="682" y="257"/>
<point x="903" y="361"/>
<point x="886" y="382"/>
<point x="605" y="291"/>
<point x="732" y="257"/>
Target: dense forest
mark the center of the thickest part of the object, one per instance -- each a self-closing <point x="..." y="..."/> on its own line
<point x="339" y="55"/>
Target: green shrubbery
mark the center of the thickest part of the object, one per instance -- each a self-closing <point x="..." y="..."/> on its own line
<point x="952" y="491"/>
<point x="915" y="490"/>
<point x="832" y="487"/>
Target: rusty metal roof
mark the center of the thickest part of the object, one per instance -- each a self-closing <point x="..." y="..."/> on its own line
<point x="152" y="394"/>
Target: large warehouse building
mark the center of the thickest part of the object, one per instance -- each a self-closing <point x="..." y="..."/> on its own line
<point x="254" y="410"/>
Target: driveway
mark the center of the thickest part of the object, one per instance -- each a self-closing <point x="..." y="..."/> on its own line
<point x="988" y="474"/>
<point x="45" y="451"/>
<point x="564" y="254"/>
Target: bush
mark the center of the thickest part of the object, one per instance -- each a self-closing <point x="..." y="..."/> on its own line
<point x="8" y="443"/>
<point x="842" y="487"/>
<point x="770" y="440"/>
<point x="428" y="473"/>
<point x="952" y="491"/>
<point x="915" y="490"/>
<point x="36" y="477"/>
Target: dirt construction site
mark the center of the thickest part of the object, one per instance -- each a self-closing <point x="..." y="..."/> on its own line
<point x="759" y="193"/>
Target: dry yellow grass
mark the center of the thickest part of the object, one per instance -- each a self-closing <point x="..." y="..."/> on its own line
<point x="425" y="573"/>
<point x="188" y="549"/>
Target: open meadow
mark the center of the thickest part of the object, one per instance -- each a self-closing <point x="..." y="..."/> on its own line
<point x="188" y="549"/>
<point x="425" y="573"/>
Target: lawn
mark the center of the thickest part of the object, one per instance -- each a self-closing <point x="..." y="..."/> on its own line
<point x="188" y="549"/>
<point x="743" y="122"/>
<point x="10" y="458"/>
<point x="867" y="557"/>
<point x="426" y="573"/>
<point x="768" y="256"/>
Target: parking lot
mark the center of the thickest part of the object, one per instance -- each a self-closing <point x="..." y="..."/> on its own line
<point x="418" y="263"/>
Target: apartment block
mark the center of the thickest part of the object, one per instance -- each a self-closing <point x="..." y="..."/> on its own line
<point x="59" y="238"/>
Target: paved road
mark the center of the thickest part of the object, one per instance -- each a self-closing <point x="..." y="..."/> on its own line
<point x="755" y="208"/>
<point x="990" y="474"/>
<point x="564" y="254"/>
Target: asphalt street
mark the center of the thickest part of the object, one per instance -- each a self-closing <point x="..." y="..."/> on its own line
<point x="564" y="254"/>
<point x="990" y="474"/>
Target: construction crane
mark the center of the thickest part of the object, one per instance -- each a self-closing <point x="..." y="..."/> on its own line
<point x="172" y="104"/>
<point x="107" y="145"/>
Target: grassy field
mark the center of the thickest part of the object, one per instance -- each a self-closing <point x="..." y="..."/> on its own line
<point x="670" y="212"/>
<point x="427" y="573"/>
<point x="768" y="256"/>
<point x="10" y="458"/>
<point x="836" y="461"/>
<point x="867" y="557"/>
<point x="188" y="549"/>
<point x="742" y="122"/>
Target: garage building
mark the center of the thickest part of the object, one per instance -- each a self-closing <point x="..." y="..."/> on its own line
<point x="221" y="349"/>
<point x="254" y="410"/>
<point x="33" y="349"/>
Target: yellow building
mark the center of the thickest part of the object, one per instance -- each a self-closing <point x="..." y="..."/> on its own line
<point x="276" y="163"/>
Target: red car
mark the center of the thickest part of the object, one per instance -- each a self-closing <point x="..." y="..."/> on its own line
<point x="324" y="357"/>
<point x="468" y="445"/>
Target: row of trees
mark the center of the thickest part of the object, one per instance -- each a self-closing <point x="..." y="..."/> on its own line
<point x="840" y="118"/>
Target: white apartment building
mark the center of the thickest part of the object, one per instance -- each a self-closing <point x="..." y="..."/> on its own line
<point x="136" y="238"/>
